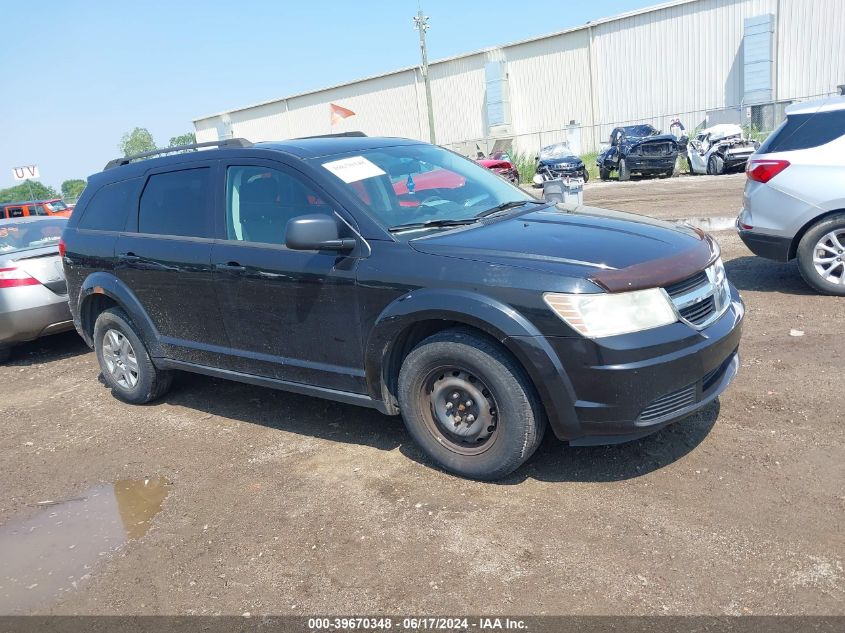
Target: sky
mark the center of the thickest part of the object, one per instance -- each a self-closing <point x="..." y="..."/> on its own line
<point x="93" y="70"/>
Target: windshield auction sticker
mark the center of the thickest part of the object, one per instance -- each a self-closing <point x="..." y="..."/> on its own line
<point x="353" y="169"/>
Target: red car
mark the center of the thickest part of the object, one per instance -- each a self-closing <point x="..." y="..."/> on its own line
<point x="504" y="168"/>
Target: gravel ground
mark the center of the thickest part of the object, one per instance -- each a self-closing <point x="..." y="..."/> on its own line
<point x="228" y="498"/>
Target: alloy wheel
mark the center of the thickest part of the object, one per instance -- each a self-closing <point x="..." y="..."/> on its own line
<point x="120" y="359"/>
<point x="829" y="257"/>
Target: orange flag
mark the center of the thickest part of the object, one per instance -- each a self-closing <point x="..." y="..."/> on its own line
<point x="338" y="113"/>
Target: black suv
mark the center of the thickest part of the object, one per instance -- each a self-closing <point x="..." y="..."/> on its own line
<point x="638" y="149"/>
<point x="400" y="276"/>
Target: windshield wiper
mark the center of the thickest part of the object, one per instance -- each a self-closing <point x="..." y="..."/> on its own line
<point x="431" y="224"/>
<point x="508" y="205"/>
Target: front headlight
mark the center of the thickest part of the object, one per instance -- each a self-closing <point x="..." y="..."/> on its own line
<point x="596" y="315"/>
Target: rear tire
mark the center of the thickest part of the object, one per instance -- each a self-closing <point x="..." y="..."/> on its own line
<point x="125" y="362"/>
<point x="501" y="421"/>
<point x="821" y="256"/>
<point x="5" y="354"/>
<point x="624" y="172"/>
<point x="689" y="167"/>
<point x="604" y="174"/>
<point x="586" y="175"/>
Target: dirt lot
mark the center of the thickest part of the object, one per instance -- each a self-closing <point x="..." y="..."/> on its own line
<point x="265" y="502"/>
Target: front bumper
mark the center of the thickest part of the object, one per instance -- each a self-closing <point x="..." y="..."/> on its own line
<point x="625" y="387"/>
<point x="650" y="164"/>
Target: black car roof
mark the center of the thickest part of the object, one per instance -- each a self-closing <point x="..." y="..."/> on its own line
<point x="325" y="146"/>
<point x="303" y="148"/>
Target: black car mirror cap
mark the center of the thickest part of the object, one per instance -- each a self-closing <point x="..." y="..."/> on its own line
<point x="316" y="232"/>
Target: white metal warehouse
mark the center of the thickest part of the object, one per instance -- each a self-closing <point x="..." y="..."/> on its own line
<point x="703" y="61"/>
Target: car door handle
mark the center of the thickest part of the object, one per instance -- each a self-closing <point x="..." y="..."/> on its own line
<point x="232" y="267"/>
<point x="128" y="257"/>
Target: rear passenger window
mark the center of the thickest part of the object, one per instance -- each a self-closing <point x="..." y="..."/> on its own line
<point x="37" y="209"/>
<point x="14" y="212"/>
<point x="109" y="208"/>
<point x="176" y="203"/>
<point x="803" y="131"/>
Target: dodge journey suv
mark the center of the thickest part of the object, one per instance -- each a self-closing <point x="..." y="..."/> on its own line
<point x="479" y="313"/>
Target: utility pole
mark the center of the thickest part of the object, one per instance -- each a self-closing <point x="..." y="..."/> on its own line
<point x="421" y="24"/>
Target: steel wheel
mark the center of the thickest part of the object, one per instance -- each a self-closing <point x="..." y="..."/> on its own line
<point x="120" y="359"/>
<point x="829" y="257"/>
<point x="462" y="412"/>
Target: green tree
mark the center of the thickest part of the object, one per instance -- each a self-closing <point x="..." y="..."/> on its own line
<point x="72" y="188"/>
<point x="189" y="138"/>
<point x="27" y="190"/>
<point x="137" y="141"/>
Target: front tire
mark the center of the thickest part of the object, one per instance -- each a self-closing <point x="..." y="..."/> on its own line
<point x="604" y="174"/>
<point x="5" y="354"/>
<point x="125" y="362"/>
<point x="469" y="405"/>
<point x="715" y="166"/>
<point x="821" y="256"/>
<point x="624" y="172"/>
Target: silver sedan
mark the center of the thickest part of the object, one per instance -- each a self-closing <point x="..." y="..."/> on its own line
<point x="33" y="292"/>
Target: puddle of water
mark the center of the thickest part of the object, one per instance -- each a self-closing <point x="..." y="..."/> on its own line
<point x="717" y="223"/>
<point x="48" y="554"/>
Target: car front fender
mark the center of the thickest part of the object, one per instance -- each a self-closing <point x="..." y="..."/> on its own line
<point x="384" y="350"/>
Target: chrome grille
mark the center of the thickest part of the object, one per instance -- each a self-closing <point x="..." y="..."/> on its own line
<point x="668" y="405"/>
<point x="701" y="299"/>
<point x="676" y="290"/>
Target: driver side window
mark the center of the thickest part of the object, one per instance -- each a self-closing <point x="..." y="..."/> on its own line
<point x="260" y="201"/>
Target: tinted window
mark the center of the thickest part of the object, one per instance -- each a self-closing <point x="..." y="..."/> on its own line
<point x="109" y="208"/>
<point x="14" y="212"/>
<point x="176" y="203"/>
<point x="802" y="131"/>
<point x="37" y="209"/>
<point x="260" y="201"/>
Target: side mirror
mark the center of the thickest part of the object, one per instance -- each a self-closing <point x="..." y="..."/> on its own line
<point x="316" y="232"/>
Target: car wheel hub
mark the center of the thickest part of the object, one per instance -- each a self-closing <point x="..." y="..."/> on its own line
<point x="828" y="257"/>
<point x="463" y="411"/>
<point x="120" y="359"/>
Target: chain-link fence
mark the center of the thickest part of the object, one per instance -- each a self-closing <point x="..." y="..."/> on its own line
<point x="757" y="120"/>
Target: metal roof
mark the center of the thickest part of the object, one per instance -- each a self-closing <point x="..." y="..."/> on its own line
<point x="588" y="25"/>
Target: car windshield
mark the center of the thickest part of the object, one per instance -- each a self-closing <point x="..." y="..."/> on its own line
<point x="56" y="205"/>
<point x="414" y="185"/>
<point x="21" y="236"/>
<point x="639" y="131"/>
<point x="558" y="150"/>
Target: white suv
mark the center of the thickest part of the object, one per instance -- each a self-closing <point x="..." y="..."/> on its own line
<point x="794" y="202"/>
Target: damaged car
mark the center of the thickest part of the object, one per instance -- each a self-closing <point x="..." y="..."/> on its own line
<point x="638" y="149"/>
<point x="720" y="149"/>
<point x="558" y="161"/>
<point x="502" y="166"/>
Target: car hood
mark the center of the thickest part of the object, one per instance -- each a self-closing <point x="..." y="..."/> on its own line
<point x="633" y="141"/>
<point x="615" y="250"/>
<point x="563" y="161"/>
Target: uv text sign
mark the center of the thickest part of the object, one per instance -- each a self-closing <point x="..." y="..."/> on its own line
<point x="25" y="172"/>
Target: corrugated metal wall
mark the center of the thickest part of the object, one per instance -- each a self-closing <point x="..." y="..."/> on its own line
<point x="681" y="59"/>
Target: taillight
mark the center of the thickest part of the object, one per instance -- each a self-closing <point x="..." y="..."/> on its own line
<point x="62" y="248"/>
<point x="13" y="277"/>
<point x="765" y="170"/>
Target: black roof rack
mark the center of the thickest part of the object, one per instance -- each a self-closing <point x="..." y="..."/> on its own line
<point x="227" y="142"/>
<point x="338" y="135"/>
